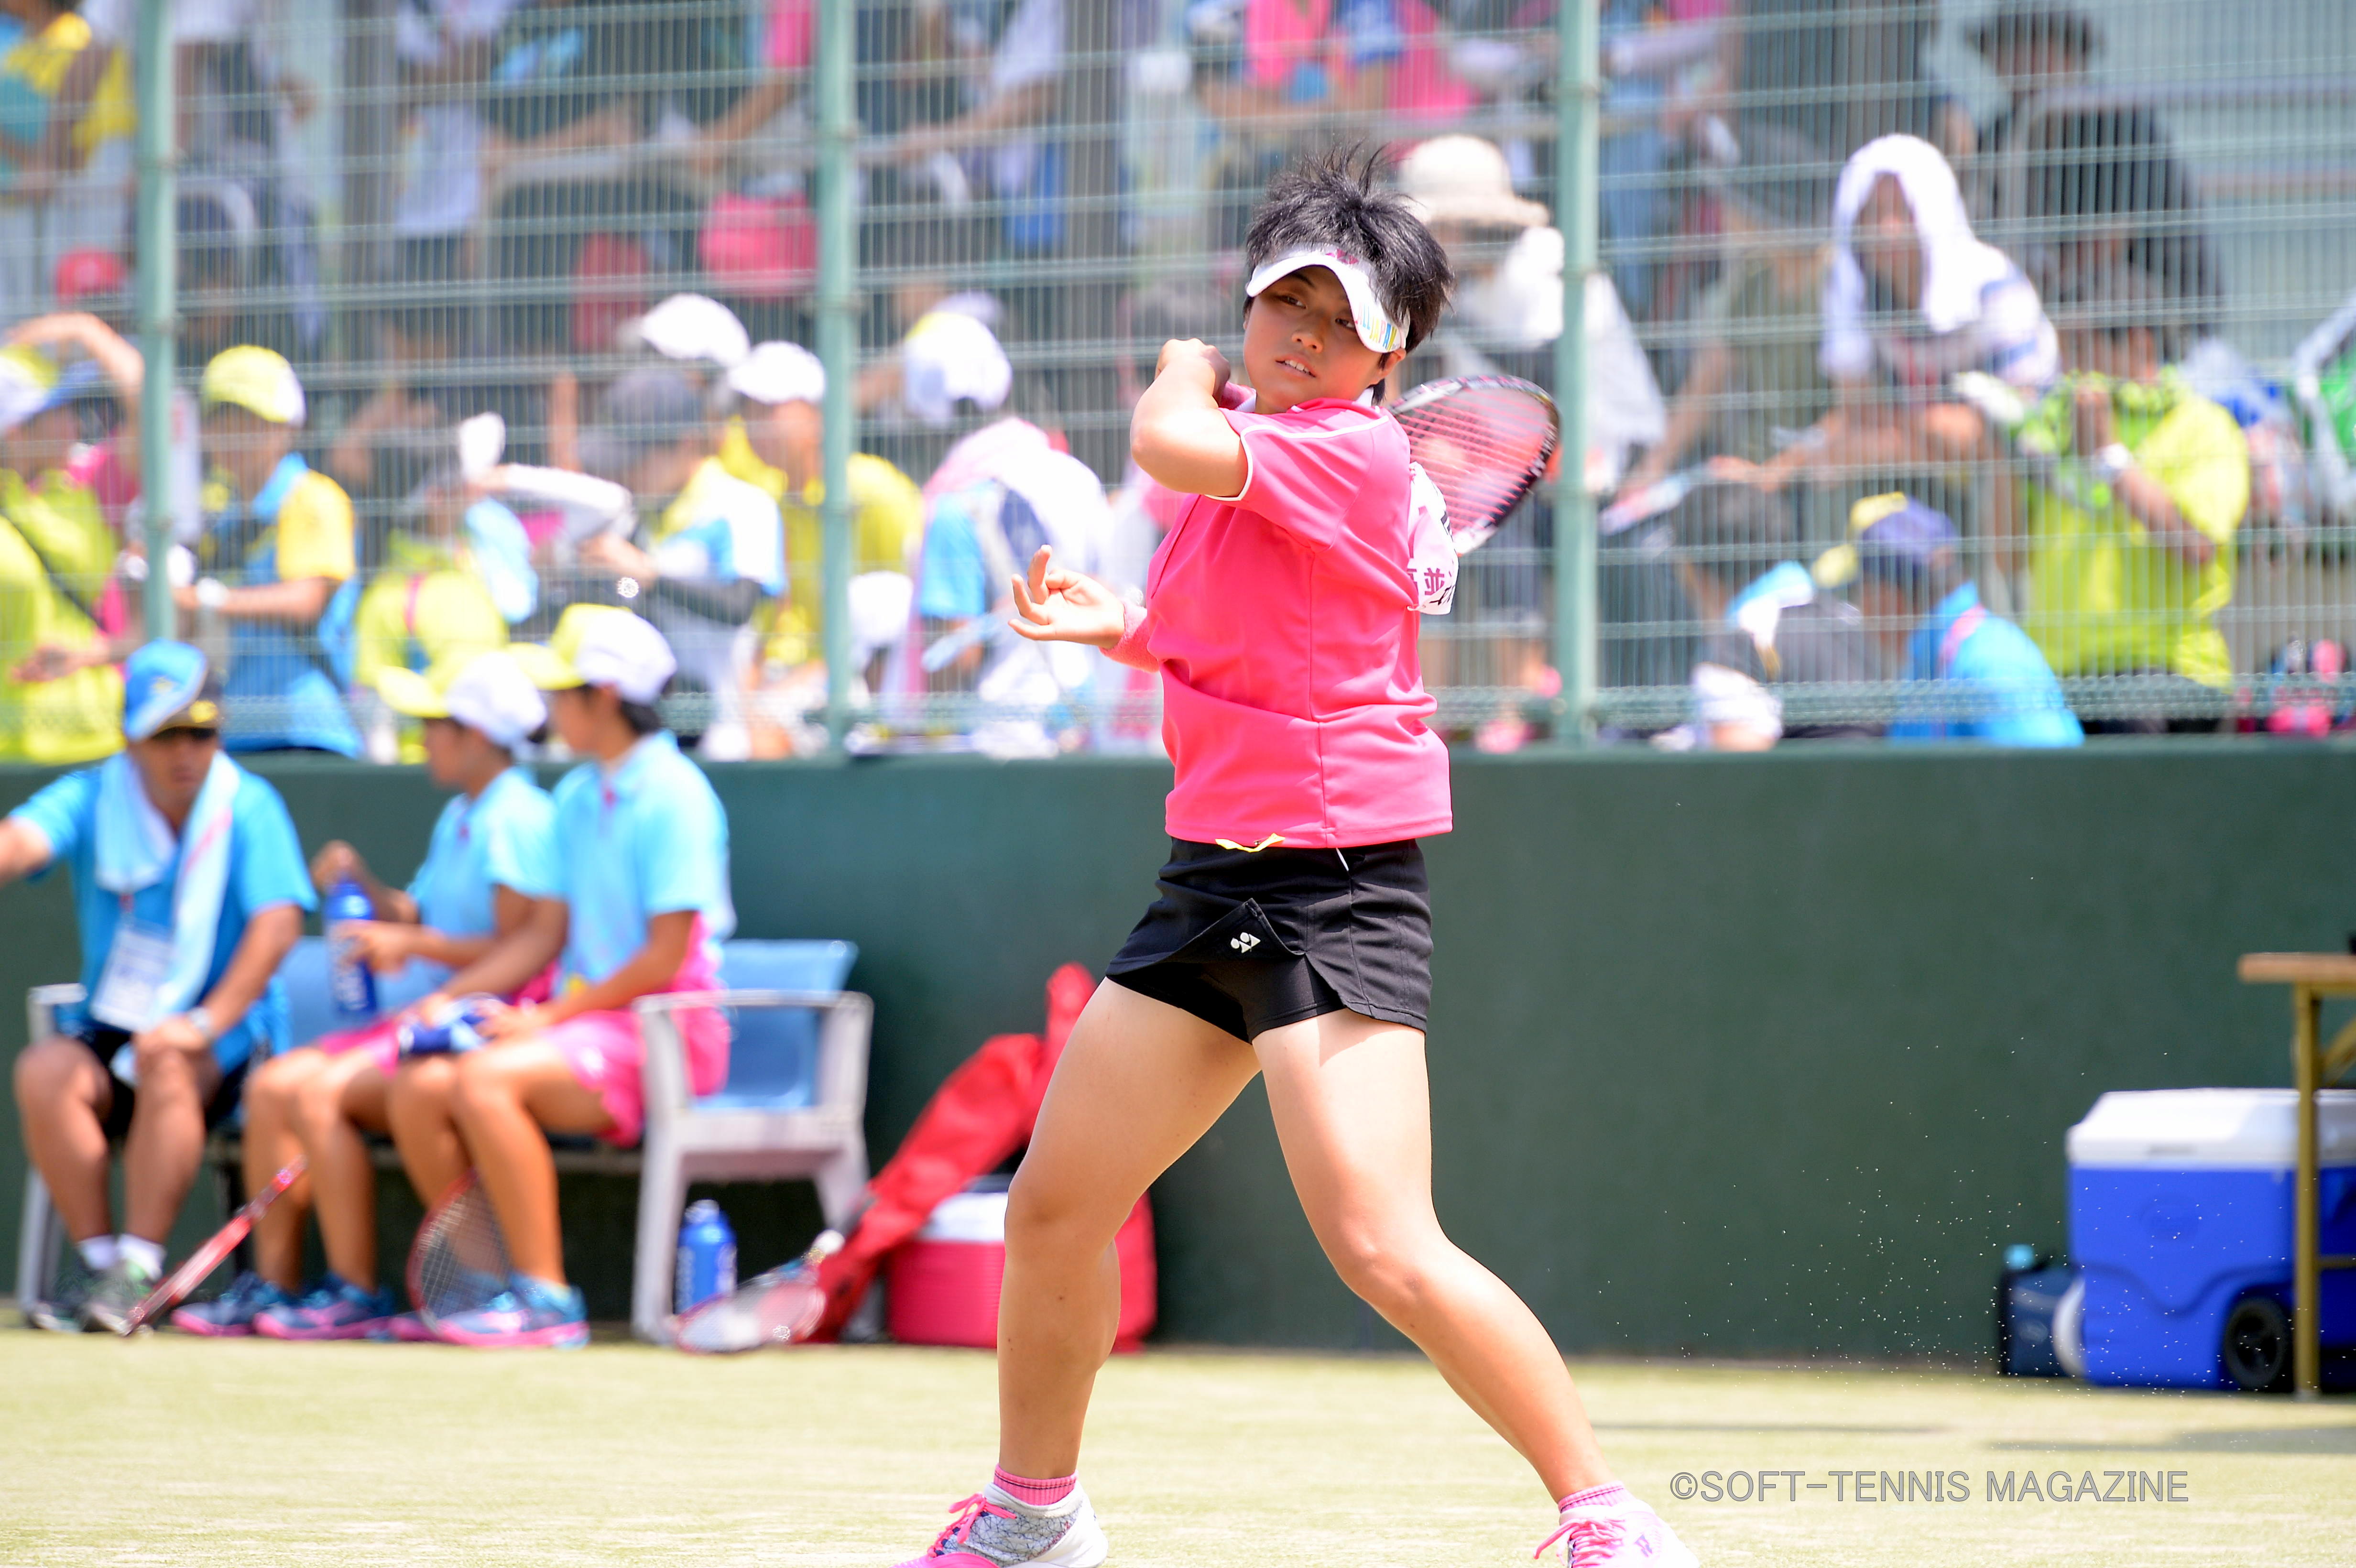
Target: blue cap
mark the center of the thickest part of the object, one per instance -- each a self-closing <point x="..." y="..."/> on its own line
<point x="167" y="685"/>
<point x="1903" y="546"/>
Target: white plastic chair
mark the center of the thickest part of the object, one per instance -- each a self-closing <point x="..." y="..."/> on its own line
<point x="773" y="1120"/>
<point x="41" y="1235"/>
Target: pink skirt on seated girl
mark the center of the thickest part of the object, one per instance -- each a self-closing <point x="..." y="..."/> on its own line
<point x="608" y="1053"/>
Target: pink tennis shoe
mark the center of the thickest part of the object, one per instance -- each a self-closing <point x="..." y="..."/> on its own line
<point x="1607" y="1528"/>
<point x="992" y="1531"/>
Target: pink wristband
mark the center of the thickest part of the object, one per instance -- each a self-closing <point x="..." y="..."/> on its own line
<point x="1137" y="624"/>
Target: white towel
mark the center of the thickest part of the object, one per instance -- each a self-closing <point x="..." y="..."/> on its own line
<point x="1957" y="267"/>
<point x="133" y="850"/>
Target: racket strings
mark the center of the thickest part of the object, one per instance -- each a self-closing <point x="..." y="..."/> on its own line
<point x="461" y="1260"/>
<point x="1483" y="444"/>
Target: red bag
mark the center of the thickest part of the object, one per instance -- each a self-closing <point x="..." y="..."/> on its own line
<point x="981" y="1114"/>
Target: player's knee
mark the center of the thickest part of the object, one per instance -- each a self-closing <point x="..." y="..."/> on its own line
<point x="479" y="1087"/>
<point x="43" y="1071"/>
<point x="1387" y="1271"/>
<point x="164" y="1069"/>
<point x="1043" y="1217"/>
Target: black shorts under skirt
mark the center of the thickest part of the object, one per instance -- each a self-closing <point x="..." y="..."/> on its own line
<point x="1252" y="941"/>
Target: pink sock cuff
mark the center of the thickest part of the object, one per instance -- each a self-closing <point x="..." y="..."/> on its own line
<point x="1038" y="1494"/>
<point x="1610" y="1492"/>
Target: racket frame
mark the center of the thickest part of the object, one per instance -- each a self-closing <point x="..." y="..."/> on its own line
<point x="1427" y="393"/>
<point x="208" y="1256"/>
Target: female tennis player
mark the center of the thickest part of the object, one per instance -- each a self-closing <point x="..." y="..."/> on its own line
<point x="1292" y="937"/>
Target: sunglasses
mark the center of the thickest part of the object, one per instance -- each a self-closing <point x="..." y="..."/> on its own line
<point x="201" y="734"/>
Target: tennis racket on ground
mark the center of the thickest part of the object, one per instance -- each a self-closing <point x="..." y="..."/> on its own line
<point x="1483" y="441"/>
<point x="779" y="1307"/>
<point x="459" y="1260"/>
<point x="207" y="1258"/>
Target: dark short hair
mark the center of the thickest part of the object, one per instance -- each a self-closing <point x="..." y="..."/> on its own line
<point x="1332" y="199"/>
<point x="1734" y="533"/>
<point x="2024" y="22"/>
<point x="640" y="716"/>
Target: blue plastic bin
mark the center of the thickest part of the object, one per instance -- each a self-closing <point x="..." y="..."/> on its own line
<point x="2181" y="1207"/>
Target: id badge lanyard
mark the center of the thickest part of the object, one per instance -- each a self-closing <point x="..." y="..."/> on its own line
<point x="130" y="987"/>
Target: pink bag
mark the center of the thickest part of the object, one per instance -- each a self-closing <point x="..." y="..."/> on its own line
<point x="760" y="247"/>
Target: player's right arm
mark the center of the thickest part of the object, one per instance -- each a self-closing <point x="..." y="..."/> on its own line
<point x="1179" y="434"/>
<point x="23" y="849"/>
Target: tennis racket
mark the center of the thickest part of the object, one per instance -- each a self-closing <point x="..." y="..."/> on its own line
<point x="779" y="1307"/>
<point x="207" y="1258"/>
<point x="459" y="1260"/>
<point x="1484" y="441"/>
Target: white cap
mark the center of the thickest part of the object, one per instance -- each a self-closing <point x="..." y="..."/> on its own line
<point x="1376" y="329"/>
<point x="492" y="694"/>
<point x="623" y="651"/>
<point x="948" y="357"/>
<point x="691" y="328"/>
<point x="779" y="373"/>
<point x="1463" y="179"/>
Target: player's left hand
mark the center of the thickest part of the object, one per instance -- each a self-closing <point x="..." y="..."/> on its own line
<point x="502" y="1022"/>
<point x="1058" y="606"/>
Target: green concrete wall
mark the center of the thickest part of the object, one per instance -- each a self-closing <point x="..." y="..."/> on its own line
<point x="1732" y="1055"/>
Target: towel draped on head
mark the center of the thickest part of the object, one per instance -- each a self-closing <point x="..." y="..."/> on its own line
<point x="1956" y="265"/>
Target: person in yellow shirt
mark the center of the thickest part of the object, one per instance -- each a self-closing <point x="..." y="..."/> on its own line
<point x="2131" y="524"/>
<point x="56" y="554"/>
<point x="279" y="557"/>
<point x="429" y="608"/>
<point x="777" y="446"/>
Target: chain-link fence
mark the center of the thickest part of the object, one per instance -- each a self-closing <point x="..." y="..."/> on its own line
<point x="2084" y="316"/>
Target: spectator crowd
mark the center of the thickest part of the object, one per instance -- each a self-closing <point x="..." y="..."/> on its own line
<point x="560" y="358"/>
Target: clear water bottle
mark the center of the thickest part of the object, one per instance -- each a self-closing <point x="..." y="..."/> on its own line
<point x="707" y="1256"/>
<point x="351" y="985"/>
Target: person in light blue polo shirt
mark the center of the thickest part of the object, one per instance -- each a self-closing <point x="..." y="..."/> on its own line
<point x="189" y="889"/>
<point x="1970" y="675"/>
<point x="491" y="860"/>
<point x="642" y="841"/>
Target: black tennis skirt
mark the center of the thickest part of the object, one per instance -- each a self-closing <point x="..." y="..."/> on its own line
<point x="1252" y="941"/>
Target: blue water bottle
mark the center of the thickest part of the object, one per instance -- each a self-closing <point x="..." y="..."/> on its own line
<point x="707" y="1256"/>
<point x="351" y="985"/>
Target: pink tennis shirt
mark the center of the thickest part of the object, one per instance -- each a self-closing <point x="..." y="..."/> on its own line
<point x="1284" y="624"/>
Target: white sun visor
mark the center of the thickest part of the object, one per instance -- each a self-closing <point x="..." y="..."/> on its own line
<point x="1376" y="330"/>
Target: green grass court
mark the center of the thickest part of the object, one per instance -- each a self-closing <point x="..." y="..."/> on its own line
<point x="170" y="1450"/>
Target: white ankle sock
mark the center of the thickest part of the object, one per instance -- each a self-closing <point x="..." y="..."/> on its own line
<point x="98" y="1253"/>
<point x="147" y="1254"/>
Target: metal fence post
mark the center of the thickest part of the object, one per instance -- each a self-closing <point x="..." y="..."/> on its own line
<point x="1579" y="92"/>
<point x="158" y="278"/>
<point x="838" y="257"/>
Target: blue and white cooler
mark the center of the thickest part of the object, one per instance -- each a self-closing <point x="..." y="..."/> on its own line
<point x="2180" y="1213"/>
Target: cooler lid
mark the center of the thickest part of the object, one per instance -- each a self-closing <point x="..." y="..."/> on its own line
<point x="2216" y="1128"/>
<point x="976" y="1214"/>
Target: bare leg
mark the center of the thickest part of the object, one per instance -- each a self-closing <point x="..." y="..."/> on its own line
<point x="508" y="1098"/>
<point x="425" y="1129"/>
<point x="270" y="1091"/>
<point x="1138" y="1084"/>
<point x="166" y="1143"/>
<point x="62" y="1096"/>
<point x="1352" y="1111"/>
<point x="346" y="1093"/>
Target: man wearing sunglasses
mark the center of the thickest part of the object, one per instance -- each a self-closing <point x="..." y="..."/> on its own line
<point x="189" y="888"/>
